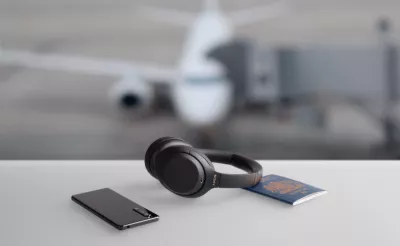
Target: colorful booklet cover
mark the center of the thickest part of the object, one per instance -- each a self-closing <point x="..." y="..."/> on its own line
<point x="286" y="190"/>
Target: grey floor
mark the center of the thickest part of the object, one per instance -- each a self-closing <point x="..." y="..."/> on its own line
<point x="57" y="115"/>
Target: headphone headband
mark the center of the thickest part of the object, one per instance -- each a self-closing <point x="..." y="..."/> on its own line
<point x="189" y="172"/>
<point x="252" y="177"/>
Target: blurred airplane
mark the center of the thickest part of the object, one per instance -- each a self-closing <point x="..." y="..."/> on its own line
<point x="201" y="93"/>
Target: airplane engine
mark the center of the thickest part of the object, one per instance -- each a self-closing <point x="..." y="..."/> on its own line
<point x="132" y="93"/>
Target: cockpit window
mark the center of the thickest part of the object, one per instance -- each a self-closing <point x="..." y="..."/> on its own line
<point x="203" y="80"/>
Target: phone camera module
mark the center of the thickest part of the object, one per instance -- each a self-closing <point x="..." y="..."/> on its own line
<point x="143" y="212"/>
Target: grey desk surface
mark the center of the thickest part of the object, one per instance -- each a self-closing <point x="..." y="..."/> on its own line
<point x="361" y="207"/>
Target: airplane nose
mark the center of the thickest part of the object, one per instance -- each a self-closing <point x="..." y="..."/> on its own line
<point x="129" y="101"/>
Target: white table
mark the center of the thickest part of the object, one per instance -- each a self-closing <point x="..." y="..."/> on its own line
<point x="361" y="207"/>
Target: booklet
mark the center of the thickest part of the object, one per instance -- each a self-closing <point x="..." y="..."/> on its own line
<point x="286" y="190"/>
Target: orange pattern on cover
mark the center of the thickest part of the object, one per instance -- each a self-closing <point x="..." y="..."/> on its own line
<point x="283" y="187"/>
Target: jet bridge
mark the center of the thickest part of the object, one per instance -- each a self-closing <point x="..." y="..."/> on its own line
<point x="362" y="74"/>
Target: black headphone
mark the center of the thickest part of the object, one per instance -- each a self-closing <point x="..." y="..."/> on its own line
<point x="189" y="172"/>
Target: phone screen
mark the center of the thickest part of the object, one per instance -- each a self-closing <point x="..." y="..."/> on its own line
<point x="115" y="209"/>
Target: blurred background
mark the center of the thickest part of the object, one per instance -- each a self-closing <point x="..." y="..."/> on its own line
<point x="300" y="79"/>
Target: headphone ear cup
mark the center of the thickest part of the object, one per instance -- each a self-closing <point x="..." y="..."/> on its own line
<point x="180" y="171"/>
<point x="198" y="153"/>
<point x="157" y="147"/>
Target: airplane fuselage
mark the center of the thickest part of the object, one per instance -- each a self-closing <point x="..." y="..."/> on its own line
<point x="203" y="95"/>
<point x="209" y="30"/>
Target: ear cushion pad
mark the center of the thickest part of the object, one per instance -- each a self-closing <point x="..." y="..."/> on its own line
<point x="156" y="147"/>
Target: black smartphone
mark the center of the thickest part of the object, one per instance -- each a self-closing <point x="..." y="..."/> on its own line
<point x="115" y="209"/>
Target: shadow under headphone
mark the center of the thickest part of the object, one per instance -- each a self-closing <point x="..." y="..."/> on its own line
<point x="189" y="172"/>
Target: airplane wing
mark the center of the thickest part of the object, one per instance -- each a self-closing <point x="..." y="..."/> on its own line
<point x="150" y="72"/>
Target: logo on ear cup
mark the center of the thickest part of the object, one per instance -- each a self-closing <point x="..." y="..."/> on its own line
<point x="214" y="179"/>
